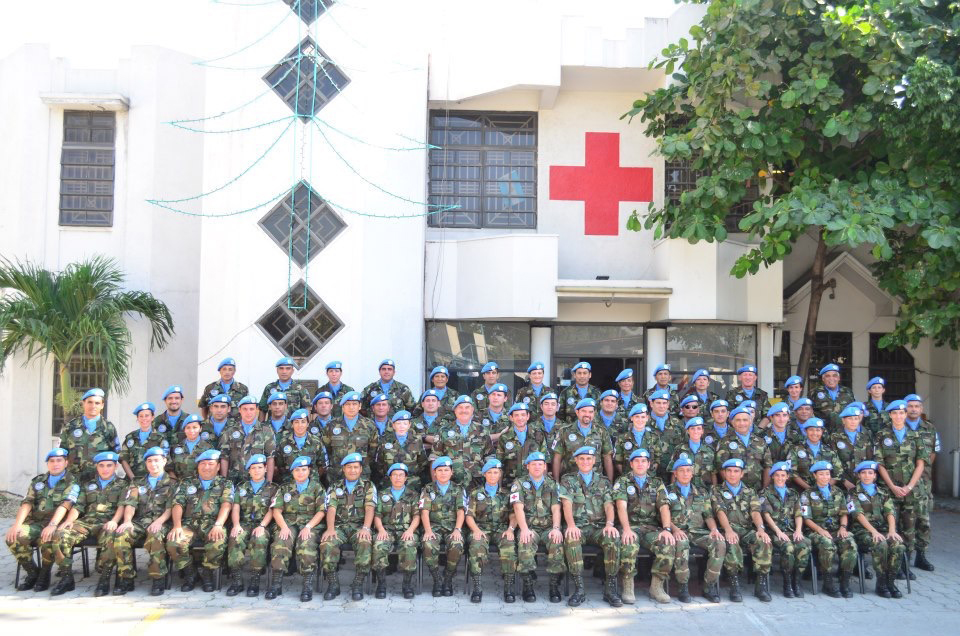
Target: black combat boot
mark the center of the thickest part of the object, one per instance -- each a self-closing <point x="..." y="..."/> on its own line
<point x="711" y="591"/>
<point x="276" y="586"/>
<point x="555" y="580"/>
<point x="437" y="582"/>
<point x="845" y="584"/>
<point x="797" y="581"/>
<point x="476" y="594"/>
<point x="206" y="580"/>
<point x="30" y="572"/>
<point x="921" y="562"/>
<point x="65" y="583"/>
<point x="189" y="575"/>
<point x="42" y="583"/>
<point x="157" y="586"/>
<point x="122" y="586"/>
<point x="735" y="594"/>
<point x="684" y="594"/>
<point x="787" y="585"/>
<point x="762" y="588"/>
<point x="253" y="584"/>
<point x="610" y="593"/>
<point x="830" y="586"/>
<point x="356" y="588"/>
<point x="892" y="585"/>
<point x="447" y="589"/>
<point x="103" y="584"/>
<point x="380" y="578"/>
<point x="529" y="594"/>
<point x="881" y="589"/>
<point x="579" y="595"/>
<point x="333" y="585"/>
<point x="236" y="582"/>
<point x="306" y="590"/>
<point x="509" y="584"/>
<point x="407" y="587"/>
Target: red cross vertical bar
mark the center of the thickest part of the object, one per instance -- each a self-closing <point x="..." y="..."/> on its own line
<point x="601" y="183"/>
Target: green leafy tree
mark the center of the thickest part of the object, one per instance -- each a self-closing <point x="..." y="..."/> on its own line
<point x="79" y="311"/>
<point x="848" y="113"/>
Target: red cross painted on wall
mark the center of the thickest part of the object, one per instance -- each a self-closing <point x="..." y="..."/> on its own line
<point x="601" y="183"/>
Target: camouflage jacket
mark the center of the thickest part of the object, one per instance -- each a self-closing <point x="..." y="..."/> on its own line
<point x="97" y="505"/>
<point x="625" y="404"/>
<point x="162" y="424"/>
<point x="443" y="507"/>
<point x="704" y="403"/>
<point x="254" y="505"/>
<point x="874" y="507"/>
<point x="339" y="441"/>
<point x="237" y="447"/>
<point x="931" y="440"/>
<point x="783" y="511"/>
<point x="572" y="438"/>
<point x="537" y="502"/>
<point x="643" y="510"/>
<point x="208" y="431"/>
<point x="131" y="449"/>
<point x="412" y="453"/>
<point x="801" y="458"/>
<point x="446" y="405"/>
<point x="490" y="423"/>
<point x="491" y="514"/>
<point x="672" y="436"/>
<point x="737" y="396"/>
<point x="44" y="500"/>
<point x="298" y="397"/>
<point x="400" y="396"/>
<point x="396" y="516"/>
<point x="551" y="435"/>
<point x="900" y="458"/>
<point x="528" y="396"/>
<point x="150" y="503"/>
<point x="201" y="507"/>
<point x="512" y="452"/>
<point x="287" y="450"/>
<point x="824" y="512"/>
<point x="704" y="463"/>
<point x="779" y="450"/>
<point x="851" y="453"/>
<point x="674" y="397"/>
<point x="83" y="445"/>
<point x="568" y="399"/>
<point x="237" y="392"/>
<point x="297" y="508"/>
<point x="737" y="507"/>
<point x="688" y="513"/>
<point x="829" y="409"/>
<point x="874" y="419"/>
<point x="588" y="500"/>
<point x="755" y="454"/>
<point x="351" y="506"/>
<point x="618" y="425"/>
<point x="627" y="443"/>
<point x="182" y="463"/>
<point x="339" y="393"/>
<point x="468" y="452"/>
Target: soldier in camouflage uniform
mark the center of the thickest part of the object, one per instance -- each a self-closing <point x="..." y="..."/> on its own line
<point x="87" y="435"/>
<point x="396" y="521"/>
<point x="637" y="498"/>
<point x="718" y="424"/>
<point x="804" y="455"/>
<point x="875" y="529"/>
<point x="250" y="536"/>
<point x="638" y="435"/>
<point x="351" y="503"/>
<point x="442" y="511"/>
<point x="401" y="398"/>
<point x="781" y="510"/>
<point x="519" y="441"/>
<point x="740" y="443"/>
<point x="852" y="445"/>
<point x="689" y="517"/>
<point x="427" y="419"/>
<point x="334" y="386"/>
<point x="201" y="506"/>
<point x="489" y="519"/>
<point x="699" y="388"/>
<point x="802" y="413"/>
<point x="824" y="509"/>
<point x="401" y="445"/>
<point x="492" y="418"/>
<point x="297" y="441"/>
<point x="48" y="500"/>
<point x="903" y="456"/>
<point x="243" y="439"/>
<point x="626" y="398"/>
<point x="668" y="427"/>
<point x="276" y="418"/>
<point x="923" y="427"/>
<point x="96" y="514"/>
<point x="183" y="456"/>
<point x="146" y="515"/>
<point x="548" y="420"/>
<point x="780" y="436"/>
<point x="703" y="458"/>
<point x="875" y="416"/>
<point x="213" y="427"/>
<point x="536" y="508"/>
<point x="737" y="507"/>
<point x="579" y="389"/>
<point x="438" y="379"/>
<point x="226" y="385"/>
<point x="663" y="376"/>
<point x="491" y="377"/>
<point x="350" y="433"/>
<point x="610" y="417"/>
<point x="137" y="442"/>
<point x="579" y="434"/>
<point x="322" y="414"/>
<point x="380" y="413"/>
<point x="533" y="391"/>
<point x="298" y="396"/>
<point x="586" y="498"/>
<point x="168" y="422"/>
<point x="829" y="397"/>
<point x="748" y="390"/>
<point x="298" y="508"/>
<point x="794" y="388"/>
<point x="689" y="407"/>
<point x="466" y="442"/>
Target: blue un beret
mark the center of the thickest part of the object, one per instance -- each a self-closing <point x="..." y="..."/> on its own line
<point x="352" y="458"/>
<point x="864" y="465"/>
<point x="502" y="388"/>
<point x="462" y="399"/>
<point x="322" y="395"/>
<point x="92" y="393"/>
<point x="662" y="394"/>
<point x="247" y="399"/>
<point x="255" y="459"/>
<point x="226" y="362"/>
<point x="429" y="393"/>
<point x="519" y="406"/>
<point x="693" y="421"/>
<point x="536" y="366"/>
<point x="223" y="397"/>
<point x="780" y="466"/>
<point x="441" y="461"/>
<point x="350" y="396"/>
<point x="700" y="373"/>
<point x="286" y="361"/>
<point x="793" y="379"/>
<point x="821" y="465"/>
<point x="661" y="367"/>
<point x="176" y="388"/>
<point x="398" y="466"/>
<point x="144" y="406"/>
<point x="493" y="462"/>
<point x="535" y="456"/>
<point x="609" y="393"/>
<point x="379" y="397"/>
<point x="876" y="380"/>
<point x="334" y="364"/>
<point x="193" y="418"/>
<point x="896" y="405"/>
<point x="740" y="410"/>
<point x="640" y="452"/>
<point x="718" y="403"/>
<point x="276" y="396"/>
<point x="548" y="396"/>
<point x="581" y="365"/>
<point x="779" y="407"/>
<point x="106" y="456"/>
<point x="814" y="422"/>
<point x="585" y="402"/>
<point x="913" y="397"/>
<point x="747" y="368"/>
<point x="299" y="414"/>
<point x="441" y="369"/>
<point x="154" y="450"/>
<point x="303" y="460"/>
<point x="830" y="367"/>
<point x="623" y="375"/>
<point x="57" y="452"/>
<point x="401" y="415"/>
<point x="585" y="450"/>
<point x="733" y="463"/>
<point x="682" y="461"/>
<point x="209" y="454"/>
<point x="804" y="401"/>
<point x="638" y="408"/>
<point x="387" y="362"/>
<point x="851" y="410"/>
<point x="689" y="399"/>
<point x="490" y="366"/>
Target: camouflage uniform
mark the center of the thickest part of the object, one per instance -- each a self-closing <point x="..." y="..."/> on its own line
<point x="829" y="409"/>
<point x="442" y="509"/>
<point x="735" y="397"/>
<point x="467" y="452"/>
<point x="568" y="399"/>
<point x="690" y="514"/>
<point x="208" y="431"/>
<point x="794" y="555"/>
<point x="492" y="515"/>
<point x="287" y="450"/>
<point x="350" y="507"/>
<point x="572" y="438"/>
<point x="704" y="403"/>
<point x="537" y="509"/>
<point x="528" y="396"/>
<point x="183" y="462"/>
<point x="162" y="424"/>
<point x="298" y="397"/>
<point x="704" y="464"/>
<point x="826" y="514"/>
<point x="297" y="508"/>
<point x="492" y="424"/>
<point x="849" y="454"/>
<point x="931" y="440"/>
<point x="237" y="447"/>
<point x="131" y="450"/>
<point x="245" y="548"/>
<point x="512" y="453"/>
<point x="549" y="436"/>
<point x="400" y="396"/>
<point x="874" y="419"/>
<point x="480" y="397"/>
<point x="887" y="554"/>
<point x="200" y="510"/>
<point x="96" y="506"/>
<point x="446" y="405"/>
<point x="801" y="458"/>
<point x="619" y="424"/>
<point x="755" y="455"/>
<point x="738" y="509"/>
<point x="672" y="435"/>
<point x="643" y="512"/>
<point x="237" y="392"/>
<point x="779" y="450"/>
<point x="43" y="501"/>
<point x="899" y="459"/>
<point x="411" y="453"/>
<point x="674" y="398"/>
<point x="83" y="445"/>
<point x="625" y="405"/>
<point x="339" y="441"/>
<point x="149" y="504"/>
<point x="628" y="443"/>
<point x="588" y="514"/>
<point x="339" y="393"/>
<point x="396" y="516"/>
<point x="712" y="435"/>
<point x="422" y="426"/>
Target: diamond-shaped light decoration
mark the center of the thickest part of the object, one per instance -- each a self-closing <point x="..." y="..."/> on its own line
<point x="306" y="79"/>
<point x="299" y="217"/>
<point x="309" y="10"/>
<point x="299" y="323"/>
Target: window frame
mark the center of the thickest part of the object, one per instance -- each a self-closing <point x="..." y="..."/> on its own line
<point x="290" y="202"/>
<point x="70" y="216"/>
<point x="294" y="295"/>
<point x="319" y="59"/>
<point x="98" y="378"/>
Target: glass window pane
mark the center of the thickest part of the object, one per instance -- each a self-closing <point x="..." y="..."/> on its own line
<point x="465" y="346"/>
<point x="721" y="349"/>
<point x="598" y="340"/>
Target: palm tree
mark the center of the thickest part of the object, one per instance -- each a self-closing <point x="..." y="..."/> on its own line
<point x="79" y="311"/>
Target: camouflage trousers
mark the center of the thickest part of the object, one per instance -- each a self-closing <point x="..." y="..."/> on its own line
<point x="65" y="540"/>
<point x="406" y="551"/>
<point x="527" y="552"/>
<point x="922" y="524"/>
<point x="195" y="536"/>
<point x="126" y="541"/>
<point x="913" y="518"/>
<point x="794" y="555"/>
<point x="349" y="536"/>
<point x="828" y="548"/>
<point x="245" y="549"/>
<point x="887" y="554"/>
<point x="592" y="535"/>
<point x="663" y="555"/>
<point x="716" y="551"/>
<point x="442" y="541"/>
<point x="478" y="552"/>
<point x="761" y="552"/>
<point x="281" y="550"/>
<point x="29" y="537"/>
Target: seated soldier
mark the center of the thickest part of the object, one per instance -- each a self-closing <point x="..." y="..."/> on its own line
<point x="250" y="536"/>
<point x="824" y="509"/>
<point x="351" y="502"/>
<point x="489" y="519"/>
<point x="876" y="528"/>
<point x="396" y="520"/>
<point x="581" y="433"/>
<point x="442" y="512"/>
<point x="780" y="508"/>
<point x="536" y="508"/>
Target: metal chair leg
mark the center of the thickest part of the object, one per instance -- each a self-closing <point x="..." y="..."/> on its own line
<point x="906" y="567"/>
<point x="813" y="573"/>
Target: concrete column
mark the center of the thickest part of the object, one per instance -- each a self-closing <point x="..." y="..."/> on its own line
<point x="540" y="340"/>
<point x="765" y="357"/>
<point x="655" y="354"/>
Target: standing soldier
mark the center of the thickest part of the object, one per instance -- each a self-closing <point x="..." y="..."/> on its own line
<point x="794" y="388"/>
<point x="812" y="450"/>
<point x="490" y="520"/>
<point x="147" y="435"/>
<point x="227" y="385"/>
<point x="829" y="397"/>
<point x="251" y="517"/>
<point x="334" y="386"/>
<point x="438" y="380"/>
<point x="740" y="443"/>
<point x="168" y="422"/>
<point x="298" y="508"/>
<point x="87" y="435"/>
<point x="780" y="436"/>
<point x="548" y="420"/>
<point x="380" y="412"/>
<point x="146" y="516"/>
<point x="644" y="525"/>
<point x="298" y="397"/>
<point x="718" y="424"/>
<point x="201" y="506"/>
<point x="931" y="442"/>
<point x="668" y="427"/>
<point x="580" y="389"/>
<point x="428" y="418"/>
<point x="492" y="417"/>
<point x="49" y="498"/>
<point x="639" y="435"/>
<point x="219" y="408"/>
<point x="536" y="508"/>
<point x="748" y="390"/>
<point x="824" y="509"/>
<point x="347" y="434"/>
<point x="183" y="456"/>
<point x="519" y="441"/>
<point x="737" y="507"/>
<point x="702" y="456"/>
<point x="875" y="417"/>
<point x="400" y="396"/>
<point x="400" y="445"/>
<point x="297" y="441"/>
<point x="608" y="414"/>
<point x="853" y="445"/>
<point x="876" y="528"/>
<point x="322" y="412"/>
<point x="442" y="512"/>
<point x="782" y="511"/>
<point x="351" y="502"/>
<point x="396" y="520"/>
<point x="663" y="377"/>
<point x="243" y="439"/>
<point x="691" y="522"/>
<point x="690" y="406"/>
<point x="465" y="442"/>
<point x="277" y="413"/>
<point x="578" y="435"/>
<point x="99" y="505"/>
<point x="491" y="377"/>
<point x="533" y="391"/>
<point x="626" y="398"/>
<point x="700" y="388"/>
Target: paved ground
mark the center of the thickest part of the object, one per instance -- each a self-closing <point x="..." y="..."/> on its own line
<point x="932" y="608"/>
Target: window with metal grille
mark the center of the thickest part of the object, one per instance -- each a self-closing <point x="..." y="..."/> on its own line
<point x="86" y="372"/>
<point x="306" y="79"/>
<point x="484" y="164"/>
<point x="896" y="366"/>
<point x="302" y="224"/>
<point x="299" y="323"/>
<point x="832" y="346"/>
<point x="87" y="162"/>
<point x="309" y="10"/>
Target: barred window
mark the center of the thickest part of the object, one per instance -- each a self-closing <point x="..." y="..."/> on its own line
<point x="308" y="10"/>
<point x="86" y="372"/>
<point x="300" y="323"/>
<point x="484" y="164"/>
<point x="306" y="79"/>
<point x="87" y="163"/>
<point x="302" y="224"/>
<point x="896" y="366"/>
